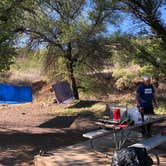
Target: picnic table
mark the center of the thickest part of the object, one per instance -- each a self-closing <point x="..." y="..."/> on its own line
<point x="120" y="134"/>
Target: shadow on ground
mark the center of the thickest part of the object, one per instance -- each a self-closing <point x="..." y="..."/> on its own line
<point x="59" y="122"/>
<point x="19" y="148"/>
<point x="84" y="103"/>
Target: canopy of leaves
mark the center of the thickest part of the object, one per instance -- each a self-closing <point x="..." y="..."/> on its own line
<point x="143" y="51"/>
<point x="72" y="30"/>
<point x="11" y="15"/>
<point x="148" y="11"/>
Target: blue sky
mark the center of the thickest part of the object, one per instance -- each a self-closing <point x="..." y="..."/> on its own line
<point x="133" y="26"/>
<point x="126" y="25"/>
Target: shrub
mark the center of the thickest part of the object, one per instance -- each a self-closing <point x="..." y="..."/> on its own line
<point x="124" y="76"/>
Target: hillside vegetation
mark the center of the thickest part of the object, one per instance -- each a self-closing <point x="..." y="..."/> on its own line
<point x="95" y="89"/>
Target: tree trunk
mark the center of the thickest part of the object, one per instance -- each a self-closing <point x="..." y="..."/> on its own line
<point x="71" y="71"/>
<point x="158" y="27"/>
<point x="73" y="80"/>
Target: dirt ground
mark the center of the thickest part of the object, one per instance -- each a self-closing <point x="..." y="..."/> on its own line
<point x="27" y="130"/>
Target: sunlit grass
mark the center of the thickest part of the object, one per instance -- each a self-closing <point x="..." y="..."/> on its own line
<point x="92" y="111"/>
<point x="95" y="110"/>
<point x="160" y="110"/>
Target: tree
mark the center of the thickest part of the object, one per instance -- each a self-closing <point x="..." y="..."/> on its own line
<point x="138" y="50"/>
<point x="6" y="36"/>
<point x="11" y="15"/>
<point x="71" y="30"/>
<point x="152" y="49"/>
<point x="149" y="12"/>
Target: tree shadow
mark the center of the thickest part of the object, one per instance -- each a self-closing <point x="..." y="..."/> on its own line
<point x="59" y="122"/>
<point x="84" y="103"/>
<point x="87" y="114"/>
<point x="18" y="148"/>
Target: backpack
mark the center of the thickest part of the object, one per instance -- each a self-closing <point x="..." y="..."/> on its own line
<point x="131" y="156"/>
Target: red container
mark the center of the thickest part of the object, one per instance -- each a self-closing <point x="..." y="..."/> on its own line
<point x="116" y="116"/>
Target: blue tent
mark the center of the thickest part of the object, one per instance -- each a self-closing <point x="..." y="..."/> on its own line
<point x="10" y="94"/>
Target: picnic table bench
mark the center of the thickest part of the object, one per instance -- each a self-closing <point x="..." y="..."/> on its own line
<point x="150" y="143"/>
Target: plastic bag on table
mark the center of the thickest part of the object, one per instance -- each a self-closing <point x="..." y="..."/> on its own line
<point x="134" y="115"/>
<point x="131" y="156"/>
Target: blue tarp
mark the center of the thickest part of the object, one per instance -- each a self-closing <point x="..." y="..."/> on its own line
<point x="10" y="94"/>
